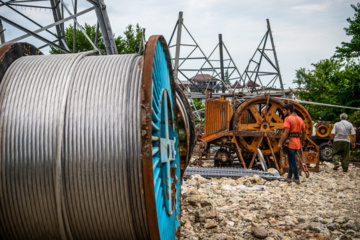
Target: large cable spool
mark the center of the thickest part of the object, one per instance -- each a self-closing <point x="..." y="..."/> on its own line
<point x="89" y="147"/>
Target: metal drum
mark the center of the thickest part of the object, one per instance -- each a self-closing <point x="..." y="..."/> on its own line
<point x="88" y="145"/>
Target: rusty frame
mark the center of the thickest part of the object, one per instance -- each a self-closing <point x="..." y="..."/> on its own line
<point x="232" y="134"/>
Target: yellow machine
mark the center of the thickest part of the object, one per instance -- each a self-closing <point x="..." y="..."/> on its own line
<point x="323" y="129"/>
<point x="321" y="138"/>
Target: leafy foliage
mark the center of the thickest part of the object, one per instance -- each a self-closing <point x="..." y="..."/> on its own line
<point x="129" y="43"/>
<point x="331" y="82"/>
<point x="335" y="80"/>
<point x="355" y="118"/>
<point x="352" y="48"/>
<point x="81" y="44"/>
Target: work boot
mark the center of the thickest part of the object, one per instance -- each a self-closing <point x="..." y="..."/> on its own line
<point x="297" y="181"/>
<point x="288" y="180"/>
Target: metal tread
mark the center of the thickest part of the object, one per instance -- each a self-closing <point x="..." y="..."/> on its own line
<point x="210" y="172"/>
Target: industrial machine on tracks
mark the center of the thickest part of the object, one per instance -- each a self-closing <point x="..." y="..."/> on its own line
<point x="248" y="130"/>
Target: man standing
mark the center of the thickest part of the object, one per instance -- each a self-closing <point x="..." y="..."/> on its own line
<point x="341" y="147"/>
<point x="294" y="130"/>
<point x="314" y="126"/>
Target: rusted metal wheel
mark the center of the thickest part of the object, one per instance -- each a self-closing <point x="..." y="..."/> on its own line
<point x="262" y="117"/>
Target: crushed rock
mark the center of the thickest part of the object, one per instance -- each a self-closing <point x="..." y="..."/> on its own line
<point x="324" y="206"/>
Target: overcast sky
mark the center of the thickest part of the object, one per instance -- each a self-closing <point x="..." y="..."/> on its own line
<point x="304" y="31"/>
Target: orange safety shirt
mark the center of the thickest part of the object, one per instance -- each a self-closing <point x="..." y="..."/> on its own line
<point x="295" y="124"/>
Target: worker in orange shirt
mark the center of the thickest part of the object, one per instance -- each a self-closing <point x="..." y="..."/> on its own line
<point x="295" y="132"/>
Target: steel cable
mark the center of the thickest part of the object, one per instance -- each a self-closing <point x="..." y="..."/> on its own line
<point x="70" y="156"/>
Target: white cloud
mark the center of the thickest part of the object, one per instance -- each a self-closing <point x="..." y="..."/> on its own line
<point x="312" y="7"/>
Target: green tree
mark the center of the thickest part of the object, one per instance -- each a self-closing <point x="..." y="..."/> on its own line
<point x="335" y="80"/>
<point x="332" y="82"/>
<point x="352" y="48"/>
<point x="129" y="43"/>
<point x="200" y="108"/>
<point x="355" y="118"/>
<point x="81" y="44"/>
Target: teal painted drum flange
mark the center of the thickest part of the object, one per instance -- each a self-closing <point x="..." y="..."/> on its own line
<point x="162" y="165"/>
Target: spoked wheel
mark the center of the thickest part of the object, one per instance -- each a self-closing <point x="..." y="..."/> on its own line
<point x="260" y="120"/>
<point x="261" y="114"/>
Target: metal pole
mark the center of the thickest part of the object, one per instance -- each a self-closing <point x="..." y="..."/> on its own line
<point x="222" y="62"/>
<point x="178" y="42"/>
<point x="34" y="34"/>
<point x="56" y="10"/>
<point x="2" y="35"/>
<point x="275" y="56"/>
<point x="74" y="36"/>
<point x="51" y="25"/>
<point x="259" y="64"/>
<point x="142" y="41"/>
<point x="104" y="22"/>
<point x="97" y="34"/>
<point x="321" y="104"/>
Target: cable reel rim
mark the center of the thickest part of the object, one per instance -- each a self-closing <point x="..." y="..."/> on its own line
<point x="167" y="149"/>
<point x="10" y="52"/>
<point x="154" y="223"/>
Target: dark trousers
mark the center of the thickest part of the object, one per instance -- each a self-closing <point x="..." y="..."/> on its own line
<point x="341" y="152"/>
<point x="293" y="167"/>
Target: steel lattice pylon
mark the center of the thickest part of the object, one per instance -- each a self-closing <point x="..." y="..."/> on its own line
<point x="262" y="74"/>
<point x="201" y="65"/>
<point x="226" y="65"/>
<point x="58" y="12"/>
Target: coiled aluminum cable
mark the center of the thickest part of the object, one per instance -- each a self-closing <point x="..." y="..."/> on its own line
<point x="70" y="142"/>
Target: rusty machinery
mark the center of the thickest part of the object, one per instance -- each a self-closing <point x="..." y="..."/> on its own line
<point x="239" y="129"/>
<point x="91" y="146"/>
<point x="322" y="134"/>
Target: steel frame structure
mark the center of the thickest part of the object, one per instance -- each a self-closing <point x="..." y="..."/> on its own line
<point x="61" y="14"/>
<point x="206" y="67"/>
<point x="229" y="70"/>
<point x="253" y="71"/>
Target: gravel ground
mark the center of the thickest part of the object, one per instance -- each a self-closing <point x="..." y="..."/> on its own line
<point x="324" y="206"/>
